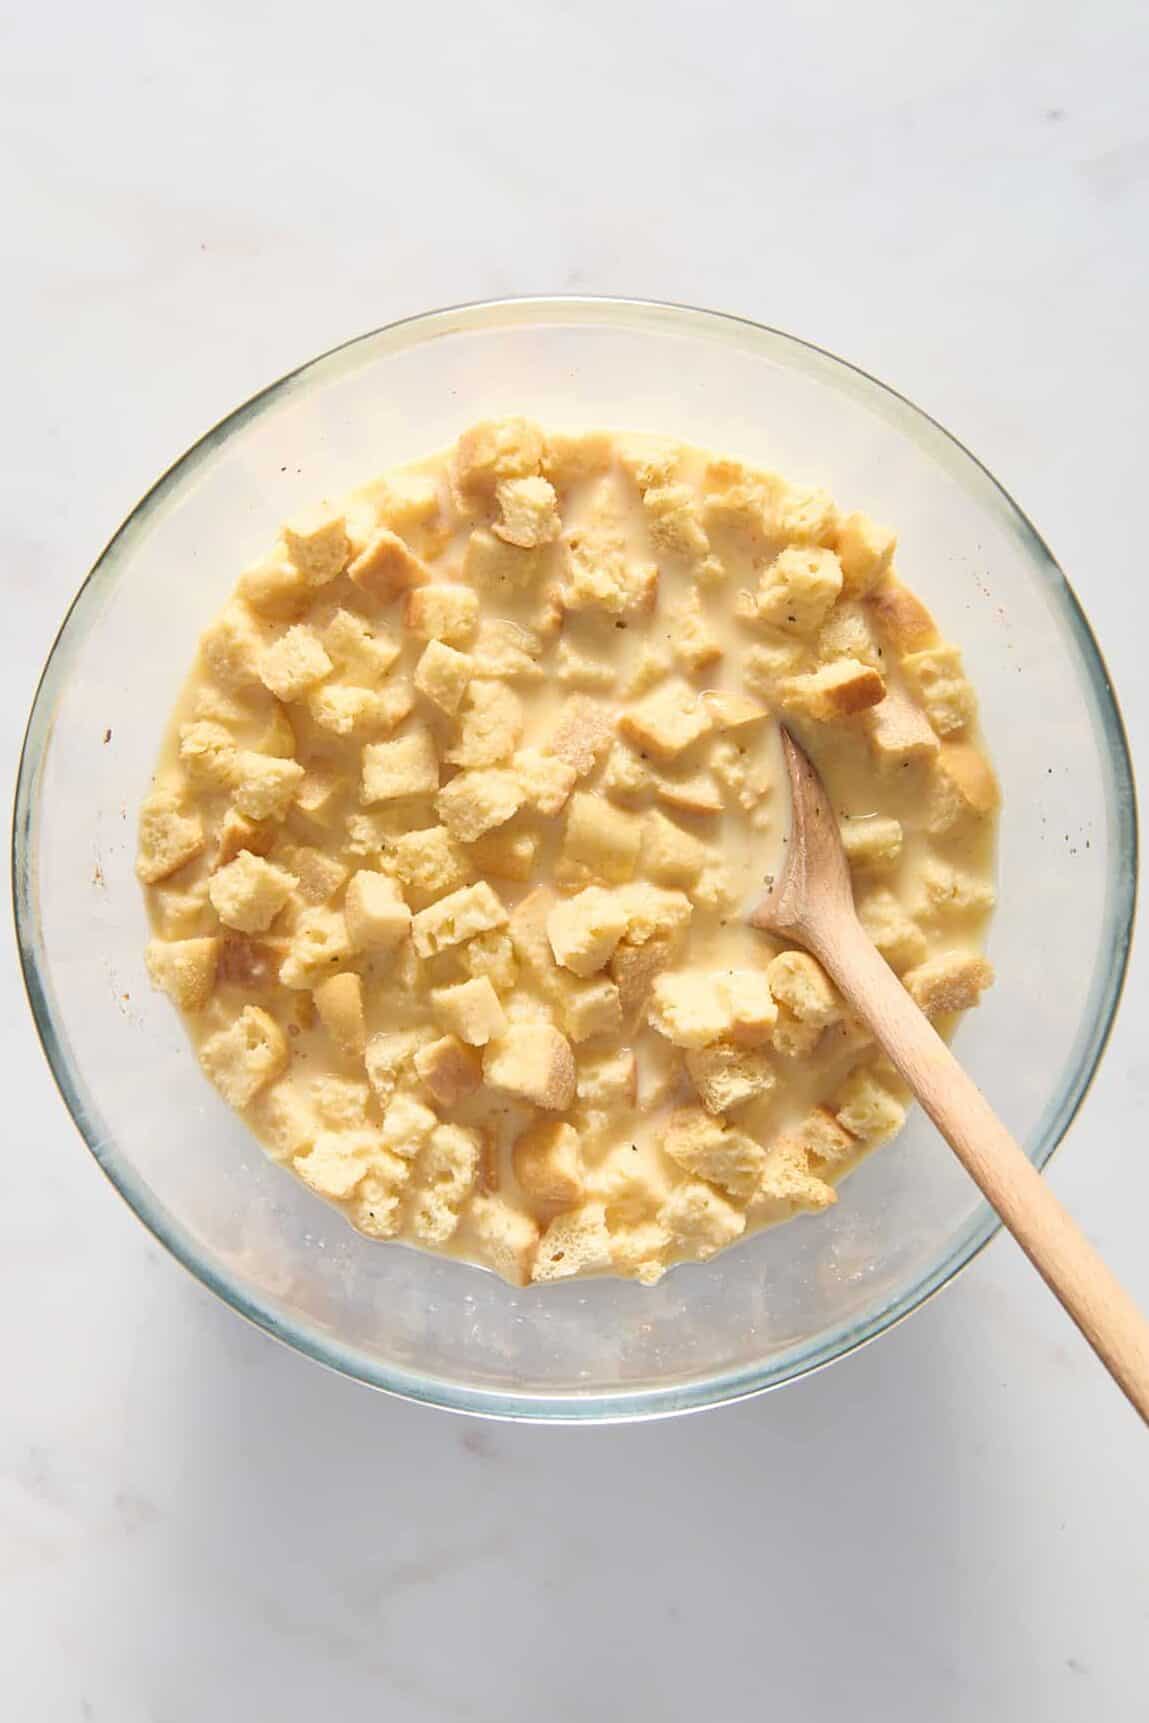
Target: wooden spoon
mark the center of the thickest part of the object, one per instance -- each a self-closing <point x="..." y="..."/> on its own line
<point x="812" y="904"/>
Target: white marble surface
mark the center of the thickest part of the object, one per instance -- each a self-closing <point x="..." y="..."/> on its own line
<point x="196" y="1524"/>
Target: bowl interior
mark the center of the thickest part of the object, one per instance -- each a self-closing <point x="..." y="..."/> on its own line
<point x="786" y="1300"/>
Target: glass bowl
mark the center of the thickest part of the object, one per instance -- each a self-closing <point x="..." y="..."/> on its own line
<point x="783" y="1302"/>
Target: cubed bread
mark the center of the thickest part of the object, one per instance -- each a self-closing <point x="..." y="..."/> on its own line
<point x="638" y="1252"/>
<point x="575" y="1242"/>
<point x="499" y="569"/>
<point x="575" y="669"/>
<point x="361" y="653"/>
<point x="231" y="648"/>
<point x="508" y="1237"/>
<point x="589" y="1008"/>
<point x="459" y="916"/>
<point x="249" y="892"/>
<point x="547" y="1163"/>
<point x="294" y="663"/>
<point x="867" y="1109"/>
<point x="799" y="982"/>
<point x="824" y="1141"/>
<point x="902" y="619"/>
<point x="899" y="730"/>
<point x="445" y="1173"/>
<point x="874" y="841"/>
<point x="207" y="754"/>
<point x="671" y="856"/>
<point x="492" y="955"/>
<point x="692" y="1008"/>
<point x="349" y="709"/>
<point x="449" y="1068"/>
<point x="170" y="835"/>
<point x="799" y="588"/>
<point x="387" y="567"/>
<point x="695" y="645"/>
<point x="654" y="912"/>
<point x="184" y="969"/>
<point x="237" y="832"/>
<point x="477" y="801"/>
<point x="835" y="691"/>
<point x="600" y="842"/>
<point x="316" y="542"/>
<point x="706" y="1149"/>
<point x="430" y="863"/>
<point x="689" y="793"/>
<point x="442" y="674"/>
<point x="727" y="1076"/>
<point x="407" y="1124"/>
<point x="788" y="1183"/>
<point x="569" y="457"/>
<point x="698" y="1222"/>
<point x="674" y="522"/>
<point x="732" y="711"/>
<point x="389" y="1058"/>
<point x="528" y="513"/>
<point x="939" y="681"/>
<point x="319" y="944"/>
<point x="771" y="664"/>
<point x="625" y="779"/>
<point x="264" y="787"/>
<point x="408" y="766"/>
<point x="634" y="970"/>
<point x="339" y="1003"/>
<point x="951" y="981"/>
<point x="666" y="721"/>
<point x="582" y="734"/>
<point x="950" y="891"/>
<point x="847" y="633"/>
<point x="533" y="1061"/>
<point x="608" y="1080"/>
<point x="273" y="587"/>
<point x="505" y="854"/>
<point x="583" y="930"/>
<point x="319" y="875"/>
<point x="445" y="610"/>
<point x="895" y="933"/>
<point x="599" y="574"/>
<point x="545" y="779"/>
<point x="470" y="1010"/>
<point x="338" y="1161"/>
<point x="490" y="725"/>
<point x="866" y="553"/>
<point x="317" y="795"/>
<point x="493" y="450"/>
<point x="245" y="1056"/>
<point x="963" y="788"/>
<point x="375" y="912"/>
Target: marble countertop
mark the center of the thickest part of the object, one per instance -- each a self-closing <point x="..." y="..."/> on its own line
<point x="194" y="1523"/>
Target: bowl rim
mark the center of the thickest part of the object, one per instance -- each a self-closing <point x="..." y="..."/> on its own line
<point x="705" y="1389"/>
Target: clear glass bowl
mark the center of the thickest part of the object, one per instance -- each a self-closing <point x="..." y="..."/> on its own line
<point x="781" y="1303"/>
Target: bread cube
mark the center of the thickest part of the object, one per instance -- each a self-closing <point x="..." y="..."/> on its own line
<point x="697" y="793"/>
<point x="376" y="916"/>
<point x="799" y="588"/>
<point x="569" y="457"/>
<point x="788" y="1184"/>
<point x="317" y="795"/>
<point x="319" y="875"/>
<point x="698" y="1222"/>
<point x="337" y="1162"/>
<point x="319" y="944"/>
<point x="583" y="930"/>
<point x="866" y="1109"/>
<point x="836" y="691"/>
<point x="625" y="779"/>
<point x="545" y="779"/>
<point x="339" y="1002"/>
<point x="548" y="1163"/>
<point x="387" y="567"/>
<point x="846" y="633"/>
<point x="442" y="674"/>
<point x="490" y="727"/>
<point x="182" y="914"/>
<point x="582" y="734"/>
<point x="692" y="640"/>
<point x="599" y="574"/>
<point x="575" y="669"/>
<point x="317" y="544"/>
<point x="533" y="1061"/>
<point x="671" y="856"/>
<point x="476" y="802"/>
<point x="952" y="981"/>
<point x="294" y="663"/>
<point x="430" y="863"/>
<point x="650" y="461"/>
<point x="407" y="766"/>
<point x="866" y="553"/>
<point x="207" y="753"/>
<point x="169" y="837"/>
<point x="823" y="1140"/>
<point x="726" y="1076"/>
<point x="505" y="854"/>
<point x="389" y="1058"/>
<point x="653" y="912"/>
<point x="498" y="568"/>
<point x="493" y="450"/>
<point x="507" y="1237"/>
<point x="634" y="969"/>
<point x="608" y="1081"/>
<point x="963" y="788"/>
<point x="406" y="1126"/>
<point x="409" y="499"/>
<point x="528" y="512"/>
<point x="937" y="678"/>
<point x="244" y="1057"/>
<point x="264" y="788"/>
<point x="902" y="619"/>
<point x="576" y="1242"/>
<point x="249" y="892"/>
<point x="667" y="721"/>
<point x="900" y="731"/>
<point x="470" y="1010"/>
<point x="450" y="1070"/>
<point x="638" y="1252"/>
<point x="802" y="514"/>
<point x="874" y="842"/>
<point x="731" y="711"/>
<point x="674" y="523"/>
<point x="792" y="1037"/>
<point x="446" y="1171"/>
<point x="363" y="654"/>
<point x="590" y="1008"/>
<point x="458" y="917"/>
<point x="600" y="842"/>
<point x="692" y="1008"/>
<point x="184" y="969"/>
<point x="528" y="933"/>
<point x="492" y="955"/>
<point x="231" y="648"/>
<point x="949" y="891"/>
<point x="896" y="935"/>
<point x="444" y="610"/>
<point x="799" y="982"/>
<point x="701" y="1146"/>
<point x="274" y="587"/>
<point x="770" y="665"/>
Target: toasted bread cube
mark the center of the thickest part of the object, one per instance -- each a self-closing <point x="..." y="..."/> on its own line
<point x="609" y="1079"/>
<point x="168" y="837"/>
<point x="318" y="546"/>
<point x="674" y="523"/>
<point x="692" y="640"/>
<point x="249" y="892"/>
<point x="493" y="450"/>
<point x="600" y="842"/>
<point x="792" y="1037"/>
<point x="896" y="935"/>
<point x="442" y="674"/>
<point x="947" y="890"/>
<point x="575" y="669"/>
<point x="823" y="1139"/>
<point x="937" y="678"/>
<point x="430" y="863"/>
<point x="696" y="794"/>
<point x="651" y="461"/>
<point x="337" y="1162"/>
<point x="799" y="982"/>
<point x="506" y="855"/>
<point x="470" y="1010"/>
<point x="409" y="499"/>
<point x="666" y="721"/>
<point x="184" y="969"/>
<point x="182" y="914"/>
<point x="528" y="933"/>
<point x="866" y="553"/>
<point x="653" y="912"/>
<point x="771" y="664"/>
<point x="449" y="1068"/>
<point x="545" y="780"/>
<point x="583" y="930"/>
<point x="787" y="1183"/>
<point x="492" y="955"/>
<point x="751" y="1006"/>
<point x="274" y="587"/>
<point x="846" y="633"/>
<point x="583" y="733"/>
<point x="339" y="1002"/>
<point x="902" y="619"/>
<point x="264" y="788"/>
<point x="599" y="574"/>
<point x="698" y="1222"/>
<point x="952" y="981"/>
<point x="507" y="1237"/>
<point x="317" y="796"/>
<point x="638" y="1251"/>
<point x="241" y="1059"/>
<point x="285" y="1120"/>
<point x="490" y="727"/>
<point x="866" y="1109"/>
<point x="576" y="1242"/>
<point x="446" y="611"/>
<point x="727" y="1076"/>
<point x="294" y="663"/>
<point x="799" y="588"/>
<point x="590" y="1008"/>
<point x="528" y="512"/>
<point x="232" y="647"/>
<point x="407" y="766"/>
<point x="362" y="653"/>
<point x="406" y="1126"/>
<point x="900" y="731"/>
<point x="625" y="779"/>
<point x="386" y="567"/>
<point x="390" y="1057"/>
<point x="871" y="842"/>
<point x="375" y="912"/>
<point x="207" y="754"/>
<point x="499" y="569"/>
<point x="692" y="1008"/>
<point x="671" y="856"/>
<point x="346" y="709"/>
<point x="476" y="802"/>
<point x="340" y="1102"/>
<point x="802" y="514"/>
<point x="634" y="969"/>
<point x="704" y="1148"/>
<point x="731" y="711"/>
<point x="319" y="944"/>
<point x="458" y="917"/>
<point x="533" y="1061"/>
<point x="963" y="788"/>
<point x="249" y="963"/>
<point x="548" y="1164"/>
<point x="446" y="1171"/>
<point x="837" y="690"/>
<point x="571" y="456"/>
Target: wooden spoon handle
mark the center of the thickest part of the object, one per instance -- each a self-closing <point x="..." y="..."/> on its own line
<point x="1056" y="1246"/>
